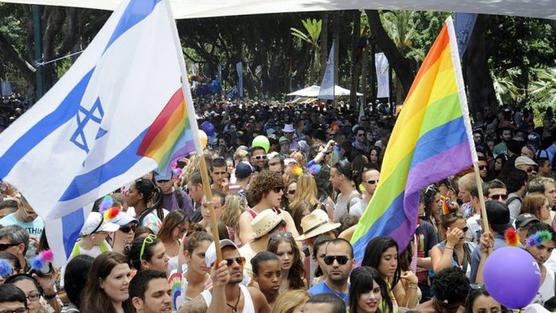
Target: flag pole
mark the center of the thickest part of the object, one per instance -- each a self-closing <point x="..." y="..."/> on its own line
<point x="465" y="110"/>
<point x="190" y="109"/>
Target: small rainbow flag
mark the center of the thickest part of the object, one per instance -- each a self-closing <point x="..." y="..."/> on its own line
<point x="430" y="141"/>
<point x="170" y="136"/>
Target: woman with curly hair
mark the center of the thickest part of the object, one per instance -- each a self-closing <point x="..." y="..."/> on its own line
<point x="266" y="192"/>
<point x="450" y="290"/>
<point x="284" y="246"/>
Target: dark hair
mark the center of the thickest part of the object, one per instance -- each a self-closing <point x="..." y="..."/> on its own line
<point x="14" y="261"/>
<point x="196" y="178"/>
<point x="362" y="281"/>
<point x="427" y="196"/>
<point x="20" y="277"/>
<point x="338" y="305"/>
<point x="151" y="193"/>
<point x="297" y="271"/>
<point x="10" y="293"/>
<point x="537" y="184"/>
<point x="75" y="277"/>
<point x="550" y="304"/>
<point x="493" y="184"/>
<point x="195" y="239"/>
<point x="140" y="283"/>
<point x="373" y="254"/>
<point x="344" y="167"/>
<point x="536" y="227"/>
<point x="473" y="295"/>
<point x="16" y="235"/>
<point x="94" y="298"/>
<point x="321" y="240"/>
<point x="262" y="257"/>
<point x="220" y="194"/>
<point x="263" y="183"/>
<point x="451" y="286"/>
<point x="135" y="252"/>
<point x="218" y="162"/>
<point x="514" y="179"/>
<point x="447" y="220"/>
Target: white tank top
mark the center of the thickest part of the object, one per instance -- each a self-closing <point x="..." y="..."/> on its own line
<point x="248" y="306"/>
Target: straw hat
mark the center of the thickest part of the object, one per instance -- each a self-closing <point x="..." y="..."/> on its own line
<point x="315" y="224"/>
<point x="265" y="221"/>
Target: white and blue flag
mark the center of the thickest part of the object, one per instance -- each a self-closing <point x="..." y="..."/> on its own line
<point x="79" y="142"/>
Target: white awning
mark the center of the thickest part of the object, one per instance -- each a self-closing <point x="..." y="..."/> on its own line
<point x="210" y="8"/>
<point x="313" y="92"/>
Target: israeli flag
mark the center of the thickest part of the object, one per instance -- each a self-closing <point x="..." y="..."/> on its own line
<point x="79" y="142"/>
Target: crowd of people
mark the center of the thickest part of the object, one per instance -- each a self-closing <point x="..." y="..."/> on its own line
<point x="289" y="184"/>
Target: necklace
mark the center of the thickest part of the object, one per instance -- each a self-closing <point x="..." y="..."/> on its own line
<point x="234" y="307"/>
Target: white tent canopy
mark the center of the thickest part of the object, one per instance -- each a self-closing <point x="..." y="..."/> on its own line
<point x="313" y="92"/>
<point x="210" y="8"/>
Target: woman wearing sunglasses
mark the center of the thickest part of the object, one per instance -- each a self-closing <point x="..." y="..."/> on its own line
<point x="123" y="237"/>
<point x="172" y="230"/>
<point x="382" y="254"/>
<point x="148" y="253"/>
<point x="283" y="245"/>
<point x="454" y="251"/>
<point x="538" y="205"/>
<point x="266" y="192"/>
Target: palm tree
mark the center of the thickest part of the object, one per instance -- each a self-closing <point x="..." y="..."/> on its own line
<point x="313" y="29"/>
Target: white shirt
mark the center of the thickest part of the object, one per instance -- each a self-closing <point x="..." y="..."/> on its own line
<point x="341" y="205"/>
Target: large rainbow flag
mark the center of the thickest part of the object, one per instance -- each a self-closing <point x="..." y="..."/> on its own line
<point x="430" y="141"/>
<point x="170" y="136"/>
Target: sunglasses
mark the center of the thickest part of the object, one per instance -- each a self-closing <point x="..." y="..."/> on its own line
<point x="162" y="181"/>
<point x="499" y="197"/>
<point x="127" y="228"/>
<point x="372" y="182"/>
<point x="148" y="240"/>
<point x="342" y="259"/>
<point x="239" y="260"/>
<point x="32" y="297"/>
<point x="272" y="164"/>
<point x="482" y="167"/>
<point x="531" y="169"/>
<point x="291" y="192"/>
<point x="261" y="157"/>
<point x="4" y="246"/>
<point x="281" y="235"/>
<point x="360" y="135"/>
<point x="465" y="229"/>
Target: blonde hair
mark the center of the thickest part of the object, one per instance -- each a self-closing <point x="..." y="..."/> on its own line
<point x="233" y="207"/>
<point x="288" y="301"/>
<point x="306" y="191"/>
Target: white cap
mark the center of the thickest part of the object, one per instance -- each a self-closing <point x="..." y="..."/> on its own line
<point x="124" y="218"/>
<point x="95" y="223"/>
<point x="524" y="160"/>
<point x="210" y="255"/>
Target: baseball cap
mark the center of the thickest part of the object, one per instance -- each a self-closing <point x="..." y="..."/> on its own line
<point x="96" y="223"/>
<point x="243" y="170"/>
<point x="124" y="218"/>
<point x="210" y="255"/>
<point x="525" y="219"/>
<point x="164" y="176"/>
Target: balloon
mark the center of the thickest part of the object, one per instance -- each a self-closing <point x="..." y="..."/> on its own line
<point x="209" y="129"/>
<point x="203" y="138"/>
<point x="512" y="277"/>
<point x="261" y="141"/>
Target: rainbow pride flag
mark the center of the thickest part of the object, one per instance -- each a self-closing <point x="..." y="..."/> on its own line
<point x="170" y="136"/>
<point x="430" y="141"/>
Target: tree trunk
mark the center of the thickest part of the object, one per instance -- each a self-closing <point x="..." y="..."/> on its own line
<point x="355" y="58"/>
<point x="323" y="43"/>
<point x="337" y="25"/>
<point x="372" y="73"/>
<point x="397" y="61"/>
<point x="364" y="72"/>
<point x="479" y="82"/>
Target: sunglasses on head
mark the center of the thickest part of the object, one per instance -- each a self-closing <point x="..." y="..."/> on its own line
<point x="280" y="235"/>
<point x="342" y="259"/>
<point x="4" y="246"/>
<point x="499" y="197"/>
<point x="239" y="260"/>
<point x="148" y="240"/>
<point x="127" y="228"/>
<point x="372" y="182"/>
<point x="261" y="157"/>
